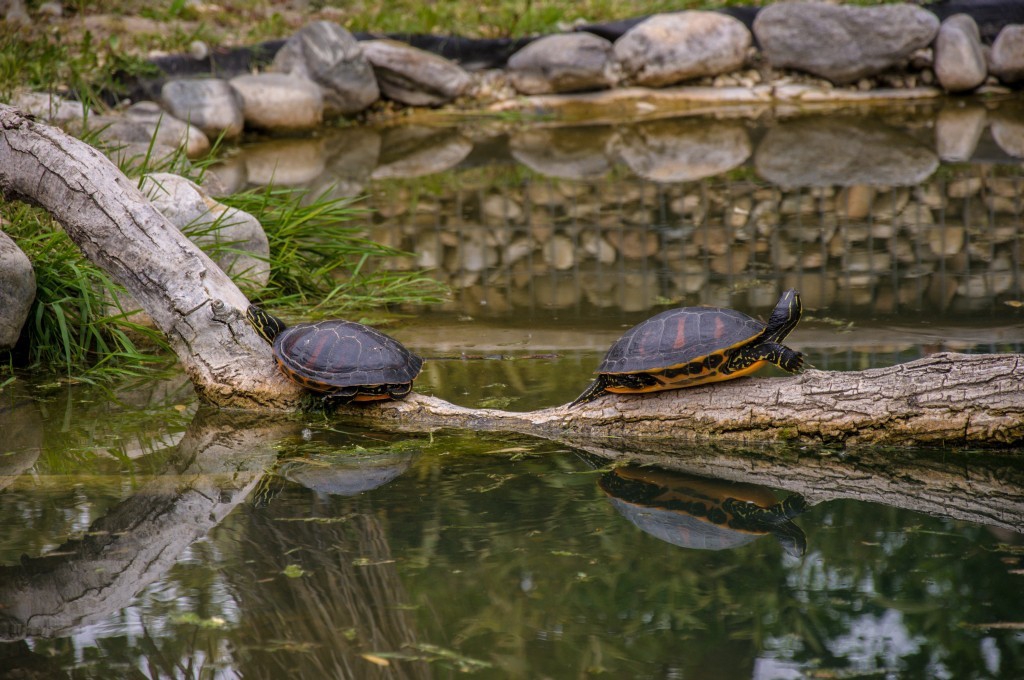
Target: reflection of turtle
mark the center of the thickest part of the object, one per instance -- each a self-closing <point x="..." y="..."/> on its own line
<point x="696" y="345"/>
<point x="344" y="360"/>
<point x="696" y="512"/>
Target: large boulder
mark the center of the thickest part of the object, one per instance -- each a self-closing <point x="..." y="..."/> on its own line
<point x="669" y="48"/>
<point x="413" y="76"/>
<point x="211" y="104"/>
<point x="842" y="43"/>
<point x="17" y="290"/>
<point x="1007" y="61"/>
<point x="570" y="62"/>
<point x="241" y="246"/>
<point x="277" y="102"/>
<point x="959" y="60"/>
<point x="330" y="56"/>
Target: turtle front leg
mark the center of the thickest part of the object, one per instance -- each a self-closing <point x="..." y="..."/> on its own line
<point x="772" y="352"/>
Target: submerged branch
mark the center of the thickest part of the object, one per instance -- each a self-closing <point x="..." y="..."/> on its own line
<point x="943" y="399"/>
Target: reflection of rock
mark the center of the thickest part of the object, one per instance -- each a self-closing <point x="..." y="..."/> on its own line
<point x="957" y="131"/>
<point x="348" y="474"/>
<point x="288" y="162"/>
<point x="416" y="150"/>
<point x="22" y="441"/>
<point x="683" y="150"/>
<point x="17" y="290"/>
<point x="568" y="152"/>
<point x="703" y="513"/>
<point x="1008" y="131"/>
<point x="834" y="151"/>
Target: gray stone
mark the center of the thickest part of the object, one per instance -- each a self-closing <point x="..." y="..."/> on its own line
<point x="330" y="56"/>
<point x="957" y="132"/>
<point x="17" y="290"/>
<point x="144" y="124"/>
<point x="831" y="151"/>
<point x="413" y="76"/>
<point x="571" y="62"/>
<point x="1007" y="60"/>
<point x="842" y="43"/>
<point x="211" y="104"/>
<point x="242" y="243"/>
<point x="670" y="48"/>
<point x="959" y="60"/>
<point x="49" y="107"/>
<point x="278" y="102"/>
<point x="684" y="150"/>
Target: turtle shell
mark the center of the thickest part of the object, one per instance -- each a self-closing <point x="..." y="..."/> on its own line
<point x="331" y="355"/>
<point x="680" y="337"/>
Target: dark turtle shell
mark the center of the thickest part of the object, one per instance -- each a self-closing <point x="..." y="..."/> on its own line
<point x="679" y="337"/>
<point x="329" y="356"/>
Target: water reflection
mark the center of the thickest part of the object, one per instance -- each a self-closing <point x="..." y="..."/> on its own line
<point x="703" y="513"/>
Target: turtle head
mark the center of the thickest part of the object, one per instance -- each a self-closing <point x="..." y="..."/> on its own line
<point x="785" y="316"/>
<point x="265" y="324"/>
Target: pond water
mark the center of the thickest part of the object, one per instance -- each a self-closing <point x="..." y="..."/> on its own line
<point x="147" y="537"/>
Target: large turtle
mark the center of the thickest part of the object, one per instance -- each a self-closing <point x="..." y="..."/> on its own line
<point x="704" y="513"/>
<point x="343" y="360"/>
<point x="696" y="345"/>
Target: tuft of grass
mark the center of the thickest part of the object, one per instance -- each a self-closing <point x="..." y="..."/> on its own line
<point x="321" y="264"/>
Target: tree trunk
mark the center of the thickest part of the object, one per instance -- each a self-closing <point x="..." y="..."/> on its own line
<point x="943" y="399"/>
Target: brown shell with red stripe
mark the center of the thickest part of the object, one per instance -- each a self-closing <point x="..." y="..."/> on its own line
<point x="332" y="355"/>
<point x="692" y="338"/>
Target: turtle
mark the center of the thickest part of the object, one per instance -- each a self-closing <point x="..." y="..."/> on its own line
<point x="695" y="345"/>
<point x="343" y="360"/>
<point x="704" y="513"/>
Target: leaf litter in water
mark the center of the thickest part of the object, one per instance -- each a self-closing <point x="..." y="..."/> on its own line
<point x="431" y="654"/>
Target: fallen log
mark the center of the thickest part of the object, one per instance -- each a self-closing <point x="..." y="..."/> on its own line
<point x="947" y="399"/>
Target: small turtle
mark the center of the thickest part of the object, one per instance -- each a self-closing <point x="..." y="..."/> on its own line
<point x="343" y="360"/>
<point x="696" y="345"/>
<point x="703" y="513"/>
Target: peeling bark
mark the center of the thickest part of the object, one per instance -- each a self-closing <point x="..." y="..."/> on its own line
<point x="945" y="399"/>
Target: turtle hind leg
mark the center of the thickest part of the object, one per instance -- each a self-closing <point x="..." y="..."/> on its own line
<point x="399" y="391"/>
<point x="593" y="391"/>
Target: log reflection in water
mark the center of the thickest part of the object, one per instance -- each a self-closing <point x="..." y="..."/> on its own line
<point x="217" y="464"/>
<point x="983" y="488"/>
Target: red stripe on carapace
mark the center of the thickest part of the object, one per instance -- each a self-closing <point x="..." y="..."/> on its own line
<point x="719" y="327"/>
<point x="680" y="338"/>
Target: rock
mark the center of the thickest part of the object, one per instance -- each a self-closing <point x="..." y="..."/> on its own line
<point x="560" y="253"/>
<point x="413" y="76"/>
<point x="1008" y="133"/>
<point x="145" y="124"/>
<point x="598" y="248"/>
<point x="957" y="132"/>
<point x="568" y="152"/>
<point x="634" y="244"/>
<point x="17" y="290"/>
<point x="682" y="150"/>
<point x="959" y="60"/>
<point x="330" y="56"/>
<point x="418" y="150"/>
<point x="277" y="102"/>
<point x="498" y="210"/>
<point x="238" y="242"/>
<point x="854" y="202"/>
<point x="946" y="241"/>
<point x="570" y="62"/>
<point x="669" y="48"/>
<point x="834" y="151"/>
<point x="1007" y="59"/>
<point x="842" y="43"/>
<point x="49" y="107"/>
<point x="211" y="104"/>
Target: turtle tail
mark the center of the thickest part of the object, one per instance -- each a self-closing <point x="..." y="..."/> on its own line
<point x="593" y="391"/>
